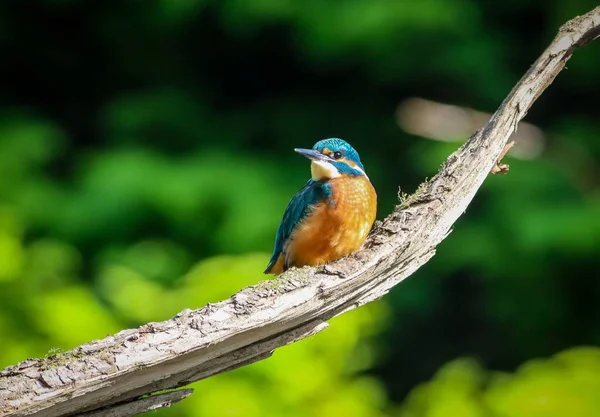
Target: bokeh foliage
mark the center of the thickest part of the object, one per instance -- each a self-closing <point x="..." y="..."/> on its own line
<point x="145" y="161"/>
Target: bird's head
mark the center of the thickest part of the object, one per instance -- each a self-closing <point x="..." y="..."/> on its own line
<point x="333" y="158"/>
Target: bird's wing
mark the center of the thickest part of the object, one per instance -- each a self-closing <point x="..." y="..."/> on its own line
<point x="296" y="210"/>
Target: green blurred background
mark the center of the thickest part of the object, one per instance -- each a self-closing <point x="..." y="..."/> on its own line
<point x="146" y="160"/>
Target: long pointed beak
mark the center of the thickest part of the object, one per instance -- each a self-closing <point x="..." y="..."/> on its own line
<point x="312" y="154"/>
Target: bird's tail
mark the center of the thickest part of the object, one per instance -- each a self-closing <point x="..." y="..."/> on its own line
<point x="275" y="265"/>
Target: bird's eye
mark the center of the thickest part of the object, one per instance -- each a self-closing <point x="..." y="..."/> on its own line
<point x="337" y="154"/>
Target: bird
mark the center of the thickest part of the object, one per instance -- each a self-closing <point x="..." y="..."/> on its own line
<point x="333" y="213"/>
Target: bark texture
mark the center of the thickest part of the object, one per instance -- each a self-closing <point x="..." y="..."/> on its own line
<point x="114" y="375"/>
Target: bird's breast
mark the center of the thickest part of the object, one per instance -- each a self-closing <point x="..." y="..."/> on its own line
<point x="337" y="226"/>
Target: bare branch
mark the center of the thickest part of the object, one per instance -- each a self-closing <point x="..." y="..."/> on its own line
<point x="252" y="323"/>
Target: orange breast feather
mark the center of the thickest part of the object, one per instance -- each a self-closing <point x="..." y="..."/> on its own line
<point x="332" y="231"/>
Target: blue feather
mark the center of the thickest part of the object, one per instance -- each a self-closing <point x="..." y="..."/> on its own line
<point x="297" y="209"/>
<point x="337" y="144"/>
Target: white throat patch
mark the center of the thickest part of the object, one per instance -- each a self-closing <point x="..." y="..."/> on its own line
<point x="323" y="170"/>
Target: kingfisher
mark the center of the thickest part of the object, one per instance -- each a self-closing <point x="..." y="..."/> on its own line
<point x="331" y="216"/>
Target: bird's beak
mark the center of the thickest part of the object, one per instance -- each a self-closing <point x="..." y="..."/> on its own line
<point x="312" y="154"/>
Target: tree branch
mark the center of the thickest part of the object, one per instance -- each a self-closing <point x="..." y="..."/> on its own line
<point x="252" y="323"/>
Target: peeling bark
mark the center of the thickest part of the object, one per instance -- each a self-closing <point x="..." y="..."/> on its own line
<point x="141" y="405"/>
